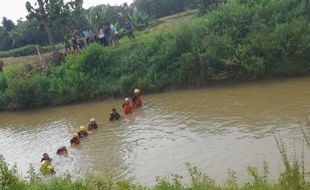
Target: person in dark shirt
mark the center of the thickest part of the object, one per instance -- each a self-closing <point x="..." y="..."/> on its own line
<point x="114" y="115"/>
<point x="75" y="139"/>
<point x="129" y="29"/>
<point x="82" y="133"/>
<point x="46" y="157"/>
<point x="93" y="125"/>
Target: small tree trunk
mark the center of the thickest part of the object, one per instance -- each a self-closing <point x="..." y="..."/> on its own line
<point x="46" y="24"/>
<point x="50" y="36"/>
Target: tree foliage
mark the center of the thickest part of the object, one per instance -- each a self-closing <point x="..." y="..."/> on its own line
<point x="160" y="8"/>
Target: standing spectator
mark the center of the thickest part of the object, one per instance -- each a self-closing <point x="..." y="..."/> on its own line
<point x="74" y="42"/>
<point x="67" y="43"/>
<point x="115" y="36"/>
<point x="92" y="37"/>
<point x="81" y="42"/>
<point x="129" y="29"/>
<point x="101" y="36"/>
<point x="87" y="36"/>
<point x="108" y="34"/>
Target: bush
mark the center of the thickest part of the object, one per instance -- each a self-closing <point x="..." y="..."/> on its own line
<point x="27" y="93"/>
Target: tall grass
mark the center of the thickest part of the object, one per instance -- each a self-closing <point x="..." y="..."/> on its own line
<point x="291" y="179"/>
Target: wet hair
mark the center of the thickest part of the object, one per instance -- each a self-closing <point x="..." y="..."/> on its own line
<point x="114" y="109"/>
<point x="61" y="149"/>
<point x="45" y="154"/>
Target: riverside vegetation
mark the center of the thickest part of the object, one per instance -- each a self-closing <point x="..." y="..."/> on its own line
<point x="239" y="40"/>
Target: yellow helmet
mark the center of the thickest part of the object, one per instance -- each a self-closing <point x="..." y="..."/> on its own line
<point x="82" y="128"/>
<point x="74" y="135"/>
<point x="127" y="100"/>
<point x="136" y="91"/>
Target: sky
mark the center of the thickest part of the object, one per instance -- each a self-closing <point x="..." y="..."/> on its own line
<point x="15" y="9"/>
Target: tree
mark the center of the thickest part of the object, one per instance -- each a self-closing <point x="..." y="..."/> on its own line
<point x="139" y="19"/>
<point x="205" y="5"/>
<point x="28" y="32"/>
<point x="41" y="14"/>
<point x="101" y="14"/>
<point x="8" y="24"/>
<point x="5" y="39"/>
<point x="160" y="8"/>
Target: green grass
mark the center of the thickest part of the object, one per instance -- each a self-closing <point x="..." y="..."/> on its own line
<point x="291" y="179"/>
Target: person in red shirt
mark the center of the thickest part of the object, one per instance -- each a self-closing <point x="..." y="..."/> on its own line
<point x="136" y="99"/>
<point x="128" y="109"/>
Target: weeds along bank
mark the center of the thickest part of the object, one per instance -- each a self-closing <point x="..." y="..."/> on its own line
<point x="293" y="178"/>
<point x="240" y="40"/>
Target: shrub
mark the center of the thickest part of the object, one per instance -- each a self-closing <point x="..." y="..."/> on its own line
<point x="28" y="92"/>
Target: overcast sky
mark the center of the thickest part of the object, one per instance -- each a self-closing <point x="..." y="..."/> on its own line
<point x="15" y="9"/>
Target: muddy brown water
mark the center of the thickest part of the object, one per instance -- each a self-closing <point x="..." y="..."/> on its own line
<point x="217" y="129"/>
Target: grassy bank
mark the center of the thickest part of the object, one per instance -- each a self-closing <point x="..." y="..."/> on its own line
<point x="293" y="178"/>
<point x="26" y="50"/>
<point x="240" y="40"/>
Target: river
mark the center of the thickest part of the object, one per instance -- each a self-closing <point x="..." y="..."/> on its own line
<point x="216" y="129"/>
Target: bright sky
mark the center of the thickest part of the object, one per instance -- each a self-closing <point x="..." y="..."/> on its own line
<point x="15" y="9"/>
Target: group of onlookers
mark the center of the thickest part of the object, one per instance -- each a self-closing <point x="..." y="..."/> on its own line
<point x="105" y="35"/>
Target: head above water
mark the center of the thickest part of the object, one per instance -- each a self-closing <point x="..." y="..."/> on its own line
<point x="63" y="148"/>
<point x="82" y="128"/>
<point x="92" y="120"/>
<point x="113" y="110"/>
<point x="127" y="100"/>
<point x="75" y="135"/>
<point x="45" y="155"/>
<point x="136" y="91"/>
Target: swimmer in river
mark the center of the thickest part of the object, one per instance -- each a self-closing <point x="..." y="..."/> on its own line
<point x="82" y="133"/>
<point x="128" y="109"/>
<point x="93" y="125"/>
<point x="75" y="141"/>
<point x="46" y="157"/>
<point x="114" y="115"/>
<point x="62" y="151"/>
<point x="136" y="99"/>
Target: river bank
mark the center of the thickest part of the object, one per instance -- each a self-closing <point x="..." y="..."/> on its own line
<point x="223" y="45"/>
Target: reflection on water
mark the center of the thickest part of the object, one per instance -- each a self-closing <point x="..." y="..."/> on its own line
<point x="216" y="129"/>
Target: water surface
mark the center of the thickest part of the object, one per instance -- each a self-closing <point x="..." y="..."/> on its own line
<point x="216" y="129"/>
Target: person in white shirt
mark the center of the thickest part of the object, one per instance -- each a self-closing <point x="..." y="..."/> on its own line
<point x="101" y="36"/>
<point x="115" y="36"/>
